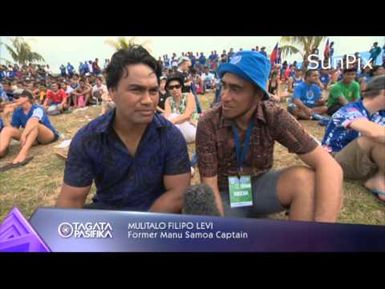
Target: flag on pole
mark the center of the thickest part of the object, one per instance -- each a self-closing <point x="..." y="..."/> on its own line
<point x="327" y="49"/>
<point x="274" y="55"/>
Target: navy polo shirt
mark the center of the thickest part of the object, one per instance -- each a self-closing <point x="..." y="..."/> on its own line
<point x="122" y="181"/>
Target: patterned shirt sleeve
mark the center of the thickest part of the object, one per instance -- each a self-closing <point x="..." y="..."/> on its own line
<point x="344" y="117"/>
<point x="206" y="147"/>
<point x="177" y="158"/>
<point x="288" y="132"/>
<point x="79" y="170"/>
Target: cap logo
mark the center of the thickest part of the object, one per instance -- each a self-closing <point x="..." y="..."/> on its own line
<point x="236" y="59"/>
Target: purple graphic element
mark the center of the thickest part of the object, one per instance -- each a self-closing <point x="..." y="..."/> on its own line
<point x="17" y="235"/>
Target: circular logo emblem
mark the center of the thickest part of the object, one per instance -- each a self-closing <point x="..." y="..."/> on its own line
<point x="65" y="230"/>
<point x="236" y="59"/>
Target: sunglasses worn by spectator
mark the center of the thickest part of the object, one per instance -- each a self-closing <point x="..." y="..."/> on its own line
<point x="171" y="87"/>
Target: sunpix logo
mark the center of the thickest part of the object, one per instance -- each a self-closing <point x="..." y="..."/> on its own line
<point x="86" y="230"/>
<point x="345" y="64"/>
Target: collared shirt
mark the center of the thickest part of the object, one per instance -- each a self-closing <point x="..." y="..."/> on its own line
<point x="216" y="149"/>
<point x="20" y="119"/>
<point x="123" y="181"/>
<point x="338" y="133"/>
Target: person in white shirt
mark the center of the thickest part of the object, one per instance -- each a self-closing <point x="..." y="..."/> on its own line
<point x="99" y="89"/>
<point x="208" y="79"/>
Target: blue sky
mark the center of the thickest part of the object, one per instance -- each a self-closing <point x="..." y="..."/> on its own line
<point x="57" y="50"/>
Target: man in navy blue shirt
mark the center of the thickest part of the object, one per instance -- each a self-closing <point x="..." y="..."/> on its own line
<point x="37" y="129"/>
<point x="138" y="159"/>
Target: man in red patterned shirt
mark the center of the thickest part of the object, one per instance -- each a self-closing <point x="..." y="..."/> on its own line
<point x="235" y="144"/>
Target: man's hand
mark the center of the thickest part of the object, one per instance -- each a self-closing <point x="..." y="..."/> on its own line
<point x="308" y="111"/>
<point x="9" y="108"/>
<point x="321" y="101"/>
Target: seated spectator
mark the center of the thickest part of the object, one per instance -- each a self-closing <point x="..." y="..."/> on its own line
<point x="35" y="124"/>
<point x="356" y="138"/>
<point x="324" y="79"/>
<point x="56" y="100"/>
<point x="42" y="94"/>
<point x="180" y="108"/>
<point x="345" y="91"/>
<point x="294" y="81"/>
<point x="95" y="67"/>
<point x="274" y="87"/>
<point x="9" y="90"/>
<point x="208" y="79"/>
<point x="307" y="102"/>
<point x="98" y="90"/>
<point x="138" y="160"/>
<point x="81" y="94"/>
<point x="197" y="81"/>
<point x="162" y="95"/>
<point x="235" y="145"/>
<point x="70" y="88"/>
<point x="3" y="96"/>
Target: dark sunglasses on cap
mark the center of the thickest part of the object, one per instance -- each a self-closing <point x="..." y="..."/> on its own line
<point x="171" y="87"/>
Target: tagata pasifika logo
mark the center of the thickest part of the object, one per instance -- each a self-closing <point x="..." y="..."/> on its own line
<point x="86" y="230"/>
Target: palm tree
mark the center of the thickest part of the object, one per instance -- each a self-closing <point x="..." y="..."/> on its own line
<point x="21" y="51"/>
<point x="124" y="43"/>
<point x="300" y="44"/>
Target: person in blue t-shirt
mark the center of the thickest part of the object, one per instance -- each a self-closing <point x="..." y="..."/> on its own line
<point x="12" y="74"/>
<point x="81" y="68"/>
<point x="36" y="127"/>
<point x="374" y="51"/>
<point x="70" y="69"/>
<point x="356" y="138"/>
<point x="63" y="72"/>
<point x="295" y="80"/>
<point x="2" y="74"/>
<point x="202" y="59"/>
<point x="307" y="102"/>
<point x="324" y="79"/>
<point x="3" y="94"/>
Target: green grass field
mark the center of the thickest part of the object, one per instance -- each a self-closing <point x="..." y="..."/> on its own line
<point x="38" y="183"/>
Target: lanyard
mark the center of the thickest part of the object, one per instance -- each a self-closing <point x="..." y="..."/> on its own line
<point x="241" y="153"/>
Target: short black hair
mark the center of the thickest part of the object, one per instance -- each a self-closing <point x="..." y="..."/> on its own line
<point x="309" y="72"/>
<point x="348" y="70"/>
<point x="134" y="54"/>
<point x="177" y="77"/>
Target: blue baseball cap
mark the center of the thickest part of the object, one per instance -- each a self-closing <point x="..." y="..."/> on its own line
<point x="251" y="66"/>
